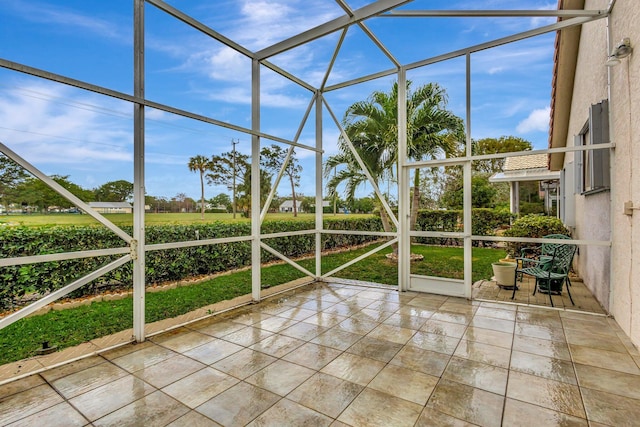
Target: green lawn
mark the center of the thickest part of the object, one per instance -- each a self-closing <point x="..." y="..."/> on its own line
<point x="72" y="327"/>
<point x="37" y="220"/>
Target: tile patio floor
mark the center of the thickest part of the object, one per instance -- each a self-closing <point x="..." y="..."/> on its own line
<point x="330" y="354"/>
<point x="582" y="297"/>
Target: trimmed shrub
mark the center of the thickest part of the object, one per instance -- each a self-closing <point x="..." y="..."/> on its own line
<point x="535" y="226"/>
<point x="527" y="208"/>
<point x="484" y="223"/>
<point x="160" y="265"/>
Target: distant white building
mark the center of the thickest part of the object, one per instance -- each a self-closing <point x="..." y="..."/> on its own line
<point x="287" y="206"/>
<point x="111" y="207"/>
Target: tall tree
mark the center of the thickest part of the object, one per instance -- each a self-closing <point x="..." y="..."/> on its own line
<point x="200" y="164"/>
<point x="483" y="194"/>
<point x="34" y="192"/>
<point x="362" y="205"/>
<point x="11" y="175"/>
<point x="504" y="144"/>
<point x="229" y="169"/>
<point x="114" y="191"/>
<point x="484" y="168"/>
<point x="221" y="199"/>
<point x="372" y="127"/>
<point x="272" y="158"/>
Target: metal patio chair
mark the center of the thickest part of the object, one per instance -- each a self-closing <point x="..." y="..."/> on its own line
<point x="534" y="256"/>
<point x="552" y="273"/>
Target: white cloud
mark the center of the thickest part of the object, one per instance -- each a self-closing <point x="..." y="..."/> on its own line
<point x="492" y="28"/>
<point x="261" y="23"/>
<point x="227" y="64"/>
<point x="159" y="115"/>
<point x="53" y="125"/>
<point x="71" y="20"/>
<point x="519" y="57"/>
<point x="538" y="120"/>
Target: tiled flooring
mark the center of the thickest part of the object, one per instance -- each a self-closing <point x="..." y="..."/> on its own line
<point x="583" y="298"/>
<point x="342" y="355"/>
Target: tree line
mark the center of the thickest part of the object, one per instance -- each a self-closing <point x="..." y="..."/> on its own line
<point x="233" y="170"/>
<point x="23" y="191"/>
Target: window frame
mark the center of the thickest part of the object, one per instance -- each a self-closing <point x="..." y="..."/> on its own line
<point x="592" y="167"/>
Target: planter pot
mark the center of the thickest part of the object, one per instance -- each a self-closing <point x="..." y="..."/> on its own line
<point x="504" y="273"/>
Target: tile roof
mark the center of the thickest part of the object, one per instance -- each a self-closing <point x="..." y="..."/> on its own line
<point x="533" y="161"/>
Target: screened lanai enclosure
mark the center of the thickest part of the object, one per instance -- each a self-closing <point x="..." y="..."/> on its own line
<point x="131" y="90"/>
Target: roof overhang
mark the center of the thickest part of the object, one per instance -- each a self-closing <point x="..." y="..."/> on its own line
<point x="538" y="174"/>
<point x="564" y="71"/>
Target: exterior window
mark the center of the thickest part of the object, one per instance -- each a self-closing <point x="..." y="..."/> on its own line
<point x="592" y="166"/>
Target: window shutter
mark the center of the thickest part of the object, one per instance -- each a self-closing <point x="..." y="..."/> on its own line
<point x="577" y="161"/>
<point x="567" y="197"/>
<point x="599" y="124"/>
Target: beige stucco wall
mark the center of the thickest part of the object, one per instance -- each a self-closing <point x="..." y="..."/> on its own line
<point x="593" y="212"/>
<point x="625" y="107"/>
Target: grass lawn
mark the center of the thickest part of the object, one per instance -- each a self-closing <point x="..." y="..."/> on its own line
<point x="38" y="220"/>
<point x="74" y="326"/>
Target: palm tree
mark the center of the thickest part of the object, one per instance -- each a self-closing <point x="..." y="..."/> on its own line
<point x="200" y="164"/>
<point x="372" y="127"/>
<point x="432" y="131"/>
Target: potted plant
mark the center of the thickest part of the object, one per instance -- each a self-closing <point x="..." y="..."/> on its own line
<point x="504" y="274"/>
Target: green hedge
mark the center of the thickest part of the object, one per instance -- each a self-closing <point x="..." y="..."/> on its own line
<point x="535" y="226"/>
<point x="176" y="264"/>
<point x="484" y="223"/>
<point x="161" y="265"/>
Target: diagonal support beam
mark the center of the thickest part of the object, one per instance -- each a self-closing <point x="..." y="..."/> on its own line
<point x="505" y="40"/>
<point x="25" y="69"/>
<point x="333" y="59"/>
<point x="14" y="317"/>
<point x="286" y="259"/>
<point x="275" y="185"/>
<point x="178" y="14"/>
<point x="65" y="193"/>
<point x="567" y="23"/>
<point x="63" y="256"/>
<point x="491" y="13"/>
<point x="372" y="181"/>
<point x="322" y="30"/>
<point x="274" y="188"/>
<point x="200" y="26"/>
<point x="361" y="257"/>
<point x="343" y="4"/>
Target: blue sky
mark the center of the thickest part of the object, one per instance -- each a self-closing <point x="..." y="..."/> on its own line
<point x="67" y="131"/>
